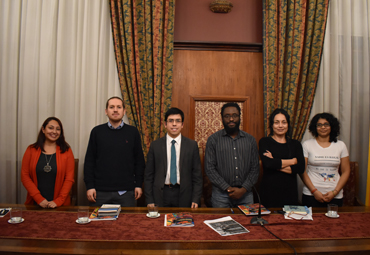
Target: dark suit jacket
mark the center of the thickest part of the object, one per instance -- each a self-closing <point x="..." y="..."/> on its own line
<point x="191" y="178"/>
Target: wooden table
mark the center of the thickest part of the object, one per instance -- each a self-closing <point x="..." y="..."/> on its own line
<point x="314" y="246"/>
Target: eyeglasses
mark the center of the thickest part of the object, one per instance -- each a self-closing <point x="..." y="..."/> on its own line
<point x="319" y="125"/>
<point x="176" y="121"/>
<point x="228" y="116"/>
<point x="296" y="216"/>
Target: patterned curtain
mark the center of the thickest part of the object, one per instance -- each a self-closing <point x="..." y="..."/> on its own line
<point x="293" y="39"/>
<point x="143" y="43"/>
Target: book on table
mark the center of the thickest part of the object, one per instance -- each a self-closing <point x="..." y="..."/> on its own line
<point x="109" y="210"/>
<point x="106" y="212"/>
<point x="296" y="209"/>
<point x="4" y="211"/>
<point x="252" y="209"/>
<point x="182" y="219"/>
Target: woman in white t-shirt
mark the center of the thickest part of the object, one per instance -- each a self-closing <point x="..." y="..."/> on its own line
<point x="324" y="154"/>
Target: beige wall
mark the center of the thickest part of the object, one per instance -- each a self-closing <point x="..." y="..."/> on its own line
<point x="194" y="21"/>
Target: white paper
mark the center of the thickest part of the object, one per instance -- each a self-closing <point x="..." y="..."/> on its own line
<point x="294" y="216"/>
<point x="226" y="226"/>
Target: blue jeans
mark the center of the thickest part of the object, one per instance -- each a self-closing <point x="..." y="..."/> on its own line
<point x="220" y="199"/>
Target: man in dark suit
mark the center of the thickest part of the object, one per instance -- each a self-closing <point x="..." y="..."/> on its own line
<point x="173" y="174"/>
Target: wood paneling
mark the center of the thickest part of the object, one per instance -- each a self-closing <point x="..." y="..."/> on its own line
<point x="219" y="74"/>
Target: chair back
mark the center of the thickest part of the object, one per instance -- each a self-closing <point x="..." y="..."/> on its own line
<point x="350" y="189"/>
<point x="73" y="192"/>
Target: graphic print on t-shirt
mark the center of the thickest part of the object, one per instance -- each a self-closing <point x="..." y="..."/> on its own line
<point x="328" y="177"/>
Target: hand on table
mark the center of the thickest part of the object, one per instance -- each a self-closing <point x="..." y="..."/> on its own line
<point x="52" y="204"/>
<point x="44" y="203"/>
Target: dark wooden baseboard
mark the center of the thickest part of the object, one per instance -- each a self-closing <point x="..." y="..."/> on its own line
<point x="218" y="46"/>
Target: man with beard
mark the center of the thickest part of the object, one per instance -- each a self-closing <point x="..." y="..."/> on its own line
<point x="114" y="161"/>
<point x="231" y="161"/>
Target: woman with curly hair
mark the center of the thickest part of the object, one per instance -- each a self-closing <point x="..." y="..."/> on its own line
<point x="48" y="167"/>
<point x="324" y="154"/>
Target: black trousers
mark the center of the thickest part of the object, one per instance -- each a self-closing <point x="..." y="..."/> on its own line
<point x="171" y="195"/>
<point x="112" y="197"/>
<point x="310" y="201"/>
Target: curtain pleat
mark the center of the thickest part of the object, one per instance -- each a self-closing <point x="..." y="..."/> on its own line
<point x="293" y="38"/>
<point x="343" y="87"/>
<point x="57" y="59"/>
<point x="143" y="42"/>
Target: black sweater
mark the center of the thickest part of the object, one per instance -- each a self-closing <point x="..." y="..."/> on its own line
<point x="114" y="159"/>
<point x="278" y="188"/>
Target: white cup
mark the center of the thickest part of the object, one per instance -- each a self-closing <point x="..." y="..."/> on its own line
<point x="16" y="215"/>
<point x="332" y="210"/>
<point x="83" y="215"/>
<point x="153" y="211"/>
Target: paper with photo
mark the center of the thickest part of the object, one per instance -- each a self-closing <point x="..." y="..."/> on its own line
<point x="226" y="226"/>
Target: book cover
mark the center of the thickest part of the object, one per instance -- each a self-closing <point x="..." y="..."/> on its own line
<point x="110" y="206"/>
<point x="94" y="216"/>
<point x="252" y="209"/>
<point x="4" y="211"/>
<point x="182" y="219"/>
<point x="297" y="209"/>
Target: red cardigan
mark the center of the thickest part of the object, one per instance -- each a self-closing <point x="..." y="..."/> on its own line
<point x="63" y="181"/>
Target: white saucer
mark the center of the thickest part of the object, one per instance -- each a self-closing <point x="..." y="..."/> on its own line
<point x="11" y="222"/>
<point x="147" y="215"/>
<point x="83" y="222"/>
<point x="326" y="214"/>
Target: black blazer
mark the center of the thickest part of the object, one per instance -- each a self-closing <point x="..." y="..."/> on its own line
<point x="191" y="178"/>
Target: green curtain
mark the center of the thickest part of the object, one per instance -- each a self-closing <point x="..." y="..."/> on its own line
<point x="143" y="43"/>
<point x="293" y="36"/>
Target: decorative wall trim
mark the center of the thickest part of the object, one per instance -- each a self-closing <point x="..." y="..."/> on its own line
<point x="245" y="101"/>
<point x="218" y="46"/>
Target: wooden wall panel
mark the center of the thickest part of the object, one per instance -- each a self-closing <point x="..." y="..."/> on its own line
<point x="217" y="74"/>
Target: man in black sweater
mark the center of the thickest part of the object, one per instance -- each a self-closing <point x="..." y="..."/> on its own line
<point x="114" y="161"/>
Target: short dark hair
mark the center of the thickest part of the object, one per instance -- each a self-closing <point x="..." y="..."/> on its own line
<point x="61" y="142"/>
<point x="115" y="97"/>
<point x="173" y="111"/>
<point x="230" y="104"/>
<point x="334" y="125"/>
<point x="271" y="121"/>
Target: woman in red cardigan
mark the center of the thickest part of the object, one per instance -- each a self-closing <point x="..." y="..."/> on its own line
<point x="48" y="167"/>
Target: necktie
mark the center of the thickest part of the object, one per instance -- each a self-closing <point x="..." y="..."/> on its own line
<point x="173" y="173"/>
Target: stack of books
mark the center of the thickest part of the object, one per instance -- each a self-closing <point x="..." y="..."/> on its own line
<point x="106" y="212"/>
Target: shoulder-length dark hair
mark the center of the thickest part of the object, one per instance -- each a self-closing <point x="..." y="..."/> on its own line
<point x="288" y="134"/>
<point x="61" y="142"/>
<point x="334" y="125"/>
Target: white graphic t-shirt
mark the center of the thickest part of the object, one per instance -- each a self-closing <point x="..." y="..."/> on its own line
<point x="323" y="165"/>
